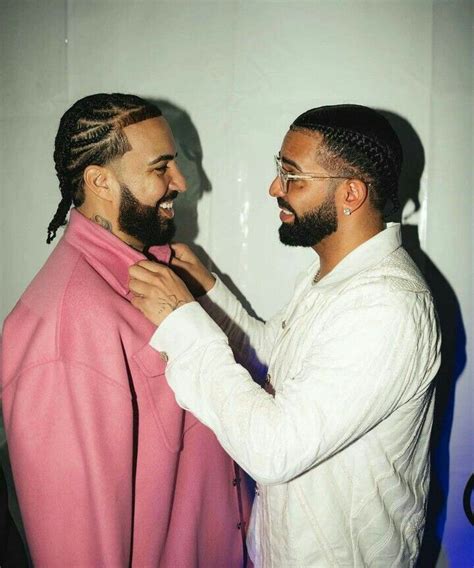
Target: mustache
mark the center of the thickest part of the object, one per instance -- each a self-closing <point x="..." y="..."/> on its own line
<point x="286" y="205"/>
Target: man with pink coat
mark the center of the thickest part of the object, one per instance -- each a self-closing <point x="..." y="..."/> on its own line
<point x="108" y="469"/>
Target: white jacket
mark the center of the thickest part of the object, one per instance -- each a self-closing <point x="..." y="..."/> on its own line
<point x="340" y="452"/>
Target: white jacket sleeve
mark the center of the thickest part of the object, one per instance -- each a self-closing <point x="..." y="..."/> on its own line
<point x="250" y="338"/>
<point x="370" y="361"/>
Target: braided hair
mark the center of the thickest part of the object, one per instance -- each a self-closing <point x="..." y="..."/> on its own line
<point x="91" y="132"/>
<point x="361" y="142"/>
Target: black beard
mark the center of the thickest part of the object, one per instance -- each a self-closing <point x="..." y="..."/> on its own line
<point x="144" y="222"/>
<point x="312" y="227"/>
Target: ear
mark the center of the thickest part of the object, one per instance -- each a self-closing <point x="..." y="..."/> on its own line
<point x="355" y="194"/>
<point x="100" y="181"/>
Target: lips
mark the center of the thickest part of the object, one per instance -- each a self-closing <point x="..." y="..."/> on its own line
<point x="165" y="205"/>
<point x="286" y="217"/>
<point x="166" y="209"/>
<point x="287" y="214"/>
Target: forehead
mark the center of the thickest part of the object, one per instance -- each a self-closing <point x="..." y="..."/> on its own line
<point x="150" y="138"/>
<point x="302" y="147"/>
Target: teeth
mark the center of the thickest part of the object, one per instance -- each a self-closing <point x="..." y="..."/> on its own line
<point x="286" y="211"/>
<point x="167" y="205"/>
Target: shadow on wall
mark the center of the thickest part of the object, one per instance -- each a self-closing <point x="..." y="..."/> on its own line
<point x="453" y="348"/>
<point x="190" y="158"/>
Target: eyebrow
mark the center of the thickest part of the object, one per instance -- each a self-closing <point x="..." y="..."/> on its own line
<point x="162" y="158"/>
<point x="290" y="162"/>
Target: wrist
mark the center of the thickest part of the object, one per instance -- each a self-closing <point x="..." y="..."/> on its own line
<point x="209" y="285"/>
<point x="206" y="284"/>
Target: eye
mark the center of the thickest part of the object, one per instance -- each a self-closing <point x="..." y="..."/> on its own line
<point x="161" y="170"/>
<point x="289" y="172"/>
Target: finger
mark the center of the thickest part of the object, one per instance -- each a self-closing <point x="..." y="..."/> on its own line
<point x="152" y="266"/>
<point x="141" y="273"/>
<point x="137" y="301"/>
<point x="180" y="250"/>
<point x="178" y="263"/>
<point x="140" y="288"/>
<point x="136" y="294"/>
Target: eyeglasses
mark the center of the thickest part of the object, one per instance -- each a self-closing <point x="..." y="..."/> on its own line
<point x="285" y="176"/>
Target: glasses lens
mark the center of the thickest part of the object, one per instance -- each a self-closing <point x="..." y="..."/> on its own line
<point x="280" y="174"/>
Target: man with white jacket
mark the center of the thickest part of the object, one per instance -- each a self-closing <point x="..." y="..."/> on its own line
<point x="338" y="439"/>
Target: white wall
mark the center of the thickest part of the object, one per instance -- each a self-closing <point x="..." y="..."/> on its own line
<point x="236" y="73"/>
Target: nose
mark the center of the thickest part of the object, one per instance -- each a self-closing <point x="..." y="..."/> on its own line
<point x="177" y="180"/>
<point x="275" y="189"/>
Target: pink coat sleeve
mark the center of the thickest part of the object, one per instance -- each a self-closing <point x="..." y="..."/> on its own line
<point x="70" y="435"/>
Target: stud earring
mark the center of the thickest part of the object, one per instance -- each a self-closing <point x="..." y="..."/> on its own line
<point x="346" y="211"/>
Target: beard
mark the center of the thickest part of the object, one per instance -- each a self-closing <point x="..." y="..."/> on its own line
<point x="144" y="222"/>
<point x="312" y="227"/>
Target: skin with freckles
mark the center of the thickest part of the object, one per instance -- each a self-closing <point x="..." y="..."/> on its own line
<point x="162" y="291"/>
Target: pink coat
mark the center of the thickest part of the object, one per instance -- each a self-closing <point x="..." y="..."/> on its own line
<point x="108" y="469"/>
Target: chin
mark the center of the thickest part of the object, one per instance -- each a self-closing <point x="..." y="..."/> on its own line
<point x="162" y="237"/>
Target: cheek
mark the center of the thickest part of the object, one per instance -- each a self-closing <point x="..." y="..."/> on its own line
<point x="151" y="189"/>
<point x="159" y="186"/>
<point x="301" y="202"/>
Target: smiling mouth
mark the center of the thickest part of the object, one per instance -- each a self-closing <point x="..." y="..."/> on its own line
<point x="166" y="209"/>
<point x="286" y="215"/>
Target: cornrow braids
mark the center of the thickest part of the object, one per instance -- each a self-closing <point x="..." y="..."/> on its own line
<point x="361" y="142"/>
<point x="91" y="132"/>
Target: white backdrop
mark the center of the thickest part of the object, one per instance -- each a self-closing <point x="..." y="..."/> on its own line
<point x="231" y="76"/>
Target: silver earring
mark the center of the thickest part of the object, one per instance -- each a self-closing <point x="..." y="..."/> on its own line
<point x="346" y="211"/>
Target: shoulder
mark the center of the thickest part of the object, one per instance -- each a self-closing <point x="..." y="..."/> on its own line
<point x="30" y="330"/>
<point x="401" y="273"/>
<point x="393" y="288"/>
<point x="65" y="296"/>
<point x="48" y="285"/>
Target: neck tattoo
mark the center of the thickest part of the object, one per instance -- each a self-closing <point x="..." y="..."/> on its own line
<point x="104" y="223"/>
<point x="107" y="225"/>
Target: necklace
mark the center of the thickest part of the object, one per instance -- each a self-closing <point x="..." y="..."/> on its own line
<point x="317" y="277"/>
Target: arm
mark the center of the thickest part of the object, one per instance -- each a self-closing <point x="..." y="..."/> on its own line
<point x="249" y="338"/>
<point x="369" y="361"/>
<point x="13" y="506"/>
<point x="69" y="432"/>
<point x="166" y="290"/>
<point x="5" y="465"/>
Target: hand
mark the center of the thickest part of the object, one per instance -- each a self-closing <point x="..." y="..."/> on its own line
<point x="188" y="267"/>
<point x="157" y="290"/>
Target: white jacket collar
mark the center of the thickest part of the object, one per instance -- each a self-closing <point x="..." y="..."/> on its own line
<point x="365" y="256"/>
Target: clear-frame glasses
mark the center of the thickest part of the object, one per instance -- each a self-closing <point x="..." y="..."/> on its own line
<point x="285" y="176"/>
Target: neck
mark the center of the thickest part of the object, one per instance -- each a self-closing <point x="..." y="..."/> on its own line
<point x="107" y="222"/>
<point x="347" y="238"/>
